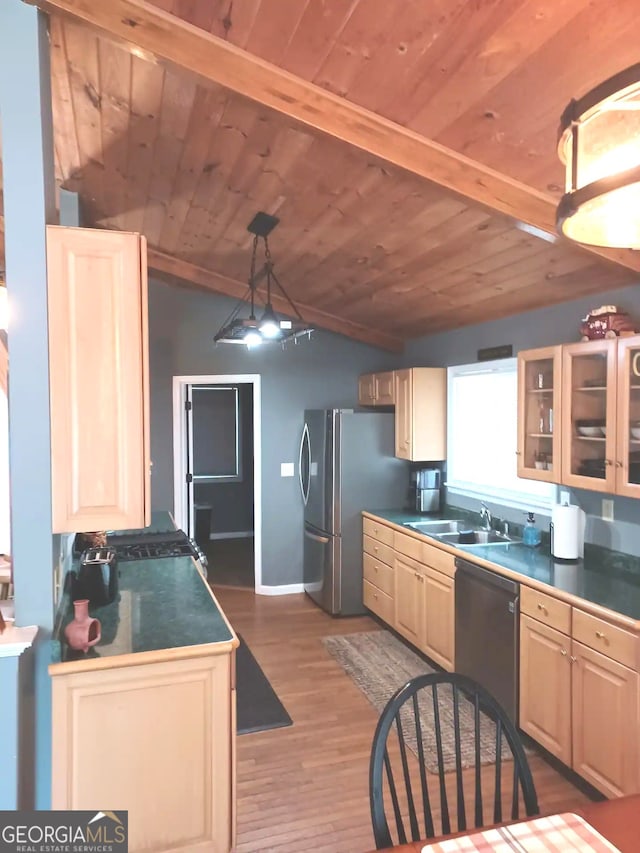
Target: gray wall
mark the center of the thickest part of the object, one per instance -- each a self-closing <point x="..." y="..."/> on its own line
<point x="319" y="373"/>
<point x="544" y="327"/>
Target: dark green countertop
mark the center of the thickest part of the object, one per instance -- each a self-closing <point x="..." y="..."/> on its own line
<point x="607" y="578"/>
<point x="161" y="604"/>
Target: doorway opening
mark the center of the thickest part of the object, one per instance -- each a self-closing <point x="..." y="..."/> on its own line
<point x="217" y="473"/>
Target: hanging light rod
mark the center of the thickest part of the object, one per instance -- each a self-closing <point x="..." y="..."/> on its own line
<point x="599" y="143"/>
<point x="270" y="328"/>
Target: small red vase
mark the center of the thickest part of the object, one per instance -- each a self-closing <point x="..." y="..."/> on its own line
<point x="83" y="631"/>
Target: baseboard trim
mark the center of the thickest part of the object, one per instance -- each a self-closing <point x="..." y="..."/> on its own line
<point x="284" y="589"/>
<point x="238" y="534"/>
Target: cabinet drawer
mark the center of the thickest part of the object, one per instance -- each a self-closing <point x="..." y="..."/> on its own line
<point x="378" y="573"/>
<point x="407" y="545"/>
<point x="545" y="608"/>
<point x="378" y="550"/>
<point x="377" y="601"/>
<point x="609" y="640"/>
<point x="438" y="559"/>
<point x="377" y="531"/>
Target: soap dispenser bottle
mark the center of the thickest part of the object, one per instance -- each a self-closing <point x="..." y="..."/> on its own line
<point x="531" y="535"/>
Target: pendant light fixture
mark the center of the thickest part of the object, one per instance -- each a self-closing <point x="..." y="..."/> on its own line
<point x="599" y="143"/>
<point x="271" y="327"/>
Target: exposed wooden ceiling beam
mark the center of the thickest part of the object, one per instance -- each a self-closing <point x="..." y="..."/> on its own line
<point x="171" y="39"/>
<point x="205" y="279"/>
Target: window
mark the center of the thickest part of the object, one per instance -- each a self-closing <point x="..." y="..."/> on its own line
<point x="482" y="436"/>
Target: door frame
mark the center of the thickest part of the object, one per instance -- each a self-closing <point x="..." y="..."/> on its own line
<point x="180" y="456"/>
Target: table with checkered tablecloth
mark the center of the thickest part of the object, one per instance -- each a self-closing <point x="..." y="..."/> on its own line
<point x="554" y="834"/>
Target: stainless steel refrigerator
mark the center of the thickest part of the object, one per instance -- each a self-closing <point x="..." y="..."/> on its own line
<point x="346" y="464"/>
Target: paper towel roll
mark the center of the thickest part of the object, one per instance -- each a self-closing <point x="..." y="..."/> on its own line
<point x="567" y="532"/>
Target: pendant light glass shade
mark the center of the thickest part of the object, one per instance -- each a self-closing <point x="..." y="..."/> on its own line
<point x="599" y="143"/>
<point x="271" y="328"/>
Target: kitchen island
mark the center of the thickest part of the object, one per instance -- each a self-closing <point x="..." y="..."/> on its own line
<point x="145" y="720"/>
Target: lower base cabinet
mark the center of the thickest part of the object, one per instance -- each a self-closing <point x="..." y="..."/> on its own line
<point x="581" y="706"/>
<point x="439" y="623"/>
<point x="409" y="599"/>
<point x="156" y="739"/>
<point x="605" y="722"/>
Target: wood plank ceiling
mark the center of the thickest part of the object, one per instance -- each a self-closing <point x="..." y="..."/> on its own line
<point x="375" y="251"/>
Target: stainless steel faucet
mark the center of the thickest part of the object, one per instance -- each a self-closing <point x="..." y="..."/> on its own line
<point x="485" y="515"/>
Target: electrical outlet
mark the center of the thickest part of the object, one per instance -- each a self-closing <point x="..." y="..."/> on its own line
<point x="565" y="497"/>
<point x="607" y="509"/>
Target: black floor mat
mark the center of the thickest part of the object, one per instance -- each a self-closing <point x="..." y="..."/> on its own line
<point x="258" y="707"/>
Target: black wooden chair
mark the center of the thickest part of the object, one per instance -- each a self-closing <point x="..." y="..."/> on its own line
<point x="416" y="718"/>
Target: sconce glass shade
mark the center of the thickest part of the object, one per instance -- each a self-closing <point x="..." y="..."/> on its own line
<point x="599" y="143"/>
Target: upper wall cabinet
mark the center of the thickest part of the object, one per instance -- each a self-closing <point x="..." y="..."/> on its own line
<point x="99" y="379"/>
<point x="539" y="396"/>
<point x="376" y="389"/>
<point x="589" y="415"/>
<point x="579" y="415"/>
<point x="421" y="413"/>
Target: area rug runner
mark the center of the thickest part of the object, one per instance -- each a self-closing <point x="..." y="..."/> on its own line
<point x="380" y="664"/>
<point x="257" y="704"/>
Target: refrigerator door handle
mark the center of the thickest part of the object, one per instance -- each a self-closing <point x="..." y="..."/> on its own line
<point x="322" y="539"/>
<point x="305" y="442"/>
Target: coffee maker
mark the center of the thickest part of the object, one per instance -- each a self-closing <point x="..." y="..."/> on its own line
<point x="426" y="486"/>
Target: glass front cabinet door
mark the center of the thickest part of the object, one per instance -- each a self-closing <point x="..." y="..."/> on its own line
<point x="627" y="459"/>
<point x="539" y="400"/>
<point x="589" y="415"/>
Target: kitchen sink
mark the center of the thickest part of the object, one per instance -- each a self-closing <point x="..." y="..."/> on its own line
<point x="433" y="528"/>
<point x="475" y="537"/>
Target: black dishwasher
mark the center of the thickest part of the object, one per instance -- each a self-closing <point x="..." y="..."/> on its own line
<point x="487" y="619"/>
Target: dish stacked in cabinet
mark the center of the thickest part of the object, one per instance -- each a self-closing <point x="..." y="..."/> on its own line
<point x="579" y="691"/>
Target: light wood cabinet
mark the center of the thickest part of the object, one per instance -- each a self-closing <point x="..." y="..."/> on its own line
<point x="410" y="585"/>
<point x="156" y="739"/>
<point x="539" y="400"/>
<point x="545" y="687"/>
<point x="439" y="620"/>
<point x="605" y="722"/>
<point x="421" y="413"/>
<point x="99" y="379"/>
<point x="409" y="599"/>
<point x="376" y="389"/>
<point x="589" y="406"/>
<point x="579" y="415"/>
<point x="627" y="458"/>
<point x="578" y="703"/>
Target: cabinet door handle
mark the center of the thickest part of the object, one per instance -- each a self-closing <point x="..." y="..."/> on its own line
<point x="618" y="463"/>
<point x="518" y="453"/>
<point x="573" y="659"/>
<point x="375" y="595"/>
<point x="608" y="462"/>
<point x="375" y="547"/>
<point x="563" y="652"/>
<point x="600" y="635"/>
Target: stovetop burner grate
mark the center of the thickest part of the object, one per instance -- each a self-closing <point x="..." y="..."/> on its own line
<point x="152" y="550"/>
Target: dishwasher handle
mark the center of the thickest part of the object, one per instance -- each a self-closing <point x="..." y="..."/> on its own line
<point x="485" y="576"/>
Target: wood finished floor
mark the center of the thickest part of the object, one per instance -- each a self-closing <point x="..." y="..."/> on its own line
<point x="306" y="787"/>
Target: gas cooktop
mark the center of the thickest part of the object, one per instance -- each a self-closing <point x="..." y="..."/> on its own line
<point x="153" y="546"/>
